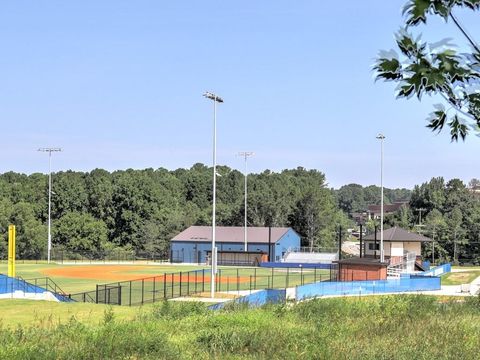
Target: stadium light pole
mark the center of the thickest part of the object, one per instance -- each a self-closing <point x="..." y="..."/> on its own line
<point x="245" y="155"/>
<point x="49" y="239"/>
<point x="216" y="99"/>
<point x="381" y="137"/>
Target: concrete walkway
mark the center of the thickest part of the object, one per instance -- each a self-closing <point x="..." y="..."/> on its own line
<point x="222" y="296"/>
<point x="455" y="270"/>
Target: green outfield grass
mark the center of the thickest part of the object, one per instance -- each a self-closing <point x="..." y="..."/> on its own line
<point x="458" y="278"/>
<point x="48" y="313"/>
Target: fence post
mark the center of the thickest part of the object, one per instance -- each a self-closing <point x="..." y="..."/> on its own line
<point x="164" y="286"/>
<point x="172" y="284"/>
<point x="180" y="284"/>
<point x="130" y="294"/>
<point x="250" y="284"/>
<point x="196" y="274"/>
<point x="203" y="280"/>
<point x="153" y="295"/>
<point x="119" y="294"/>
<point x="301" y="275"/>
<point x="188" y="283"/>
<point x="286" y="279"/>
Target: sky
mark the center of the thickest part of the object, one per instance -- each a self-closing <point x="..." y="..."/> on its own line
<point x="118" y="84"/>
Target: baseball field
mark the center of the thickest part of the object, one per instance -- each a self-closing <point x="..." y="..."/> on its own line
<point x="80" y="277"/>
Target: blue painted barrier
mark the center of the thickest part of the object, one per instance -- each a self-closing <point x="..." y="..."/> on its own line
<point x="9" y="285"/>
<point x="437" y="270"/>
<point x="295" y="265"/>
<point x="257" y="299"/>
<point x="402" y="284"/>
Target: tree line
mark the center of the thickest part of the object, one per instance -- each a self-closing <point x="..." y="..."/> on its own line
<point x="448" y="212"/>
<point x="141" y="210"/>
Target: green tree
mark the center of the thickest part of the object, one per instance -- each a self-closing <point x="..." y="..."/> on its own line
<point x="31" y="239"/>
<point x="80" y="232"/>
<point x="402" y="218"/>
<point x="351" y="198"/>
<point x="454" y="221"/>
<point x="69" y="193"/>
<point x="99" y="188"/>
<point x="429" y="196"/>
<point x="437" y="69"/>
<point x="436" y="228"/>
<point x="316" y="218"/>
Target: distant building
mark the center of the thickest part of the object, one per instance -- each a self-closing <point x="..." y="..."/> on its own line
<point x="360" y="217"/>
<point x="402" y="251"/>
<point x="397" y="244"/>
<point x="194" y="245"/>
<point x="475" y="190"/>
<point x="374" y="211"/>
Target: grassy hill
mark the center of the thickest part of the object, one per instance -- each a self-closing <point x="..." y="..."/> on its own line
<point x="393" y="327"/>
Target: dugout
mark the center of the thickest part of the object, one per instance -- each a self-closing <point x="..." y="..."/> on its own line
<point x="358" y="269"/>
<point x="243" y="258"/>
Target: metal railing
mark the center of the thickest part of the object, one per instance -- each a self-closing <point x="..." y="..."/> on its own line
<point x="307" y="249"/>
<point x="35" y="286"/>
<point x="46" y="283"/>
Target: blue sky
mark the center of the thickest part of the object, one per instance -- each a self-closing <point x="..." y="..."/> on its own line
<point x="118" y="84"/>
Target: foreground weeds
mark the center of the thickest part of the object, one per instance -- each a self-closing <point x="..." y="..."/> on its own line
<point x="389" y="327"/>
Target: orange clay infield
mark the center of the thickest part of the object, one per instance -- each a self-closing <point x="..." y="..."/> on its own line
<point x="121" y="273"/>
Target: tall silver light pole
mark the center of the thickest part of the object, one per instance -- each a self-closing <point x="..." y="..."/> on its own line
<point x="381" y="137"/>
<point x="216" y="99"/>
<point x="49" y="150"/>
<point x="245" y="155"/>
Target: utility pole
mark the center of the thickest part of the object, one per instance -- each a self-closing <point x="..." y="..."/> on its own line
<point x="361" y="238"/>
<point x="216" y="99"/>
<point x="340" y="242"/>
<point x="455" y="246"/>
<point x="246" y="155"/>
<point x="420" y="215"/>
<point x="381" y="137"/>
<point x="49" y="239"/>
<point x="433" y="246"/>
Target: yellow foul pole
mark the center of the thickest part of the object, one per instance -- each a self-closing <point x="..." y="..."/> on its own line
<point x="11" y="250"/>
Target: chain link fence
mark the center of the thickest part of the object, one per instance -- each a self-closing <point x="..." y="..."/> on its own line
<point x="229" y="281"/>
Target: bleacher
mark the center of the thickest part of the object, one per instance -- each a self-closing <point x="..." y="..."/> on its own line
<point x="299" y="256"/>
